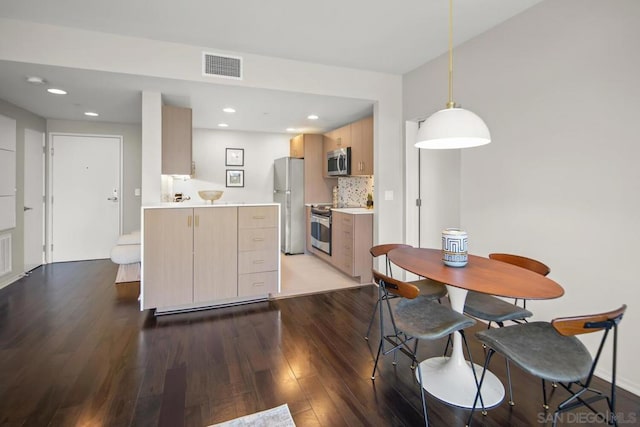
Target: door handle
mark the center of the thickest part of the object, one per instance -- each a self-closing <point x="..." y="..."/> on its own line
<point x="26" y="208"/>
<point x="113" y="199"/>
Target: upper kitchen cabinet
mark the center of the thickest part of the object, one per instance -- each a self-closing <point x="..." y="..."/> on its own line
<point x="176" y="140"/>
<point x="362" y="147"/>
<point x="357" y="135"/>
<point x="309" y="147"/>
<point x="338" y="138"/>
<point x="296" y="147"/>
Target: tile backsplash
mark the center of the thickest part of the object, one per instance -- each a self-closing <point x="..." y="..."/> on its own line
<point x="353" y="190"/>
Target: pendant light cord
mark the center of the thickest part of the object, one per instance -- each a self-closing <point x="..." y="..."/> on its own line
<point x="451" y="104"/>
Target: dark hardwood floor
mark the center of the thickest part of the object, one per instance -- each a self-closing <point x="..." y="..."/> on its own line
<point x="76" y="350"/>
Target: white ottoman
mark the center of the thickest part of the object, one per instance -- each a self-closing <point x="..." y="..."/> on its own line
<point x="127" y="254"/>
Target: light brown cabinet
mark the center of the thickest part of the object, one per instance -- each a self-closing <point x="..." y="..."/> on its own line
<point x="296" y="146"/>
<point x="351" y="239"/>
<point x="317" y="189"/>
<point x="167" y="263"/>
<point x="362" y="147"/>
<point x="188" y="256"/>
<point x="176" y="140"/>
<point x="337" y="138"/>
<point x="258" y="253"/>
<point x="205" y="256"/>
<point x="214" y="253"/>
<point x="357" y="135"/>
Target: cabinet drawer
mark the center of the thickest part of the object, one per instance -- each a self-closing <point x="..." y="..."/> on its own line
<point x="258" y="239"/>
<point x="258" y="217"/>
<point x="257" y="261"/>
<point x="257" y="284"/>
<point x="346" y="220"/>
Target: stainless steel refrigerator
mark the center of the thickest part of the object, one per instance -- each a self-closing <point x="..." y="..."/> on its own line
<point x="288" y="190"/>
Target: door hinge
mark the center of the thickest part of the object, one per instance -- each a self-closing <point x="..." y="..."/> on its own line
<point x="52" y="247"/>
<point x="44" y="248"/>
<point x="52" y="151"/>
<point x="418" y="202"/>
<point x="44" y="150"/>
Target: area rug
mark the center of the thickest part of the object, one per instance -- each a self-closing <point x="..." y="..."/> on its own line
<point x="274" y="417"/>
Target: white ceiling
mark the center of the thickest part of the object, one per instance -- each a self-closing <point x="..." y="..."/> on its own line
<point x="391" y="37"/>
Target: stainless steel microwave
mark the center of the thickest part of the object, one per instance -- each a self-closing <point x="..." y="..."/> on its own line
<point x="339" y="162"/>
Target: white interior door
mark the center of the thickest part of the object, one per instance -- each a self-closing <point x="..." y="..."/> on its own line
<point x="33" y="199"/>
<point x="86" y="212"/>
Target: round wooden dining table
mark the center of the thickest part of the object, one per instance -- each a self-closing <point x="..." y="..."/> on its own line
<point x="451" y="379"/>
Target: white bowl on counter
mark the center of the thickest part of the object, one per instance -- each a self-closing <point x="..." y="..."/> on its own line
<point x="210" y="195"/>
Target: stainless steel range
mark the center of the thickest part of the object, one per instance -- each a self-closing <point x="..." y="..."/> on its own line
<point x="321" y="228"/>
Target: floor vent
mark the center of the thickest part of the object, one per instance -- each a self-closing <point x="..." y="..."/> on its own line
<point x="228" y="67"/>
<point x="5" y="254"/>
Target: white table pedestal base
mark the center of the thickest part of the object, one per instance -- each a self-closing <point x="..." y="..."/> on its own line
<point x="455" y="385"/>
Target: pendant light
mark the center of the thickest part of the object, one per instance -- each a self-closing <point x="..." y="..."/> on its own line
<point x="452" y="127"/>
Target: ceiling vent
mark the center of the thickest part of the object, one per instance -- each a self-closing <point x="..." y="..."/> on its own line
<point x="229" y="67"/>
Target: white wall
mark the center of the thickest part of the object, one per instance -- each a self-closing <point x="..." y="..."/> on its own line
<point x="131" y="157"/>
<point x="558" y="87"/>
<point x="24" y="120"/>
<point x="260" y="150"/>
<point x="151" y="163"/>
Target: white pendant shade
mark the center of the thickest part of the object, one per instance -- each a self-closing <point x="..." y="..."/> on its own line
<point x="453" y="128"/>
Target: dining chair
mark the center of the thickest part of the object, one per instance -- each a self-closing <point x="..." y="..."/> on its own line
<point x="428" y="288"/>
<point x="416" y="317"/>
<point x="552" y="352"/>
<point x="493" y="309"/>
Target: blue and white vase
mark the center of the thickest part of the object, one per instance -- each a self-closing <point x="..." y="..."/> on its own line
<point x="454" y="247"/>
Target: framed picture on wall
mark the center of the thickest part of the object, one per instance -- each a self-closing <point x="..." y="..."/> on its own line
<point x="235" y="157"/>
<point x="235" y="178"/>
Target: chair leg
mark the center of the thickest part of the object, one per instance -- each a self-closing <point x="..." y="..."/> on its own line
<point x="375" y="365"/>
<point x="511" y="402"/>
<point x="373" y="315"/>
<point x="545" y="405"/>
<point x="446" y="347"/>
<point x="478" y="395"/>
<point x="473" y="369"/>
<point x="422" y="396"/>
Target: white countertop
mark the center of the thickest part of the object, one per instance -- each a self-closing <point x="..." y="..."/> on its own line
<point x="202" y="204"/>
<point x="353" y="211"/>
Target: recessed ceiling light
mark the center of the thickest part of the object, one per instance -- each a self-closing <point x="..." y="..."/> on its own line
<point x="223" y="125"/>
<point x="229" y="110"/>
<point x="57" y="91"/>
<point x="35" y="80"/>
<point x="91" y="114"/>
<point x="312" y="117"/>
<point x="291" y="130"/>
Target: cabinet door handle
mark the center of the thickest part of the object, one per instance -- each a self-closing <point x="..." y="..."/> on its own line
<point x="258" y="239"/>
<point x="197" y="220"/>
<point x="189" y="221"/>
<point x="258" y="261"/>
<point x="258" y="217"/>
<point x="258" y="284"/>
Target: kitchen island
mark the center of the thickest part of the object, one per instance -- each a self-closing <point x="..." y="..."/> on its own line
<point x="197" y="255"/>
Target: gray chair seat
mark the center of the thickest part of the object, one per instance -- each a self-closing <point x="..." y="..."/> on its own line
<point x="493" y="309"/>
<point x="430" y="288"/>
<point x="424" y="318"/>
<point x="540" y="350"/>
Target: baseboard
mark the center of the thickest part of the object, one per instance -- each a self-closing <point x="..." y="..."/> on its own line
<point x="9" y="280"/>
<point x="629" y="386"/>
